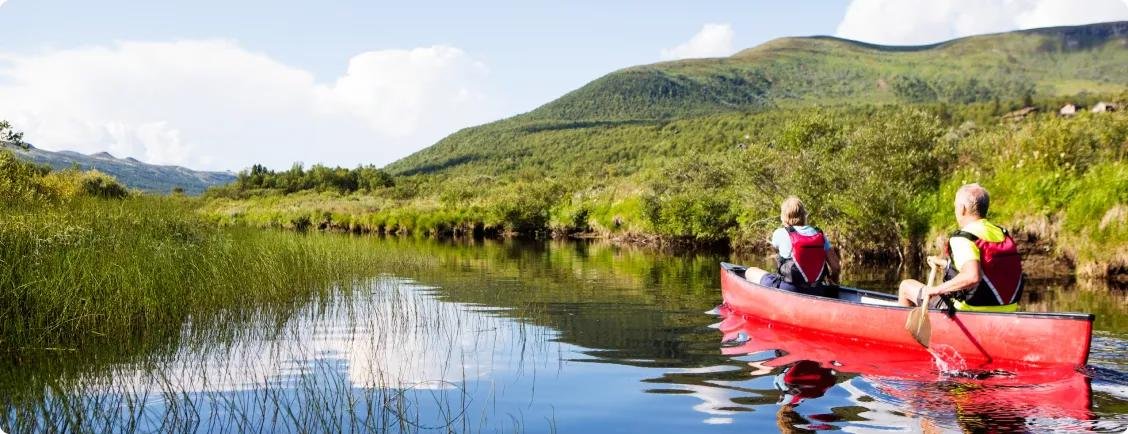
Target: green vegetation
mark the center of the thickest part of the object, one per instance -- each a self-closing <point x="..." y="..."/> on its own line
<point x="85" y="260"/>
<point x="1060" y="179"/>
<point x="318" y="177"/>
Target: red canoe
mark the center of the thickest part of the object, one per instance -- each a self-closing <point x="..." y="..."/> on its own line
<point x="872" y="319"/>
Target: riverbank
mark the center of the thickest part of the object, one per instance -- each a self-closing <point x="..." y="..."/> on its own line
<point x="1042" y="256"/>
<point x="1042" y="259"/>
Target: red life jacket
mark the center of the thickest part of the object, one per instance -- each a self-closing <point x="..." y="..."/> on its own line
<point x="808" y="254"/>
<point x="1000" y="268"/>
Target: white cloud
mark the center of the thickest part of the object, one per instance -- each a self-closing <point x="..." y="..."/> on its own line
<point x="714" y="40"/>
<point x="909" y="22"/>
<point x="213" y="104"/>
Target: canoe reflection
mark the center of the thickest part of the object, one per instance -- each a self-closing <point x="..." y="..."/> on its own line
<point x="806" y="379"/>
<point x="892" y="389"/>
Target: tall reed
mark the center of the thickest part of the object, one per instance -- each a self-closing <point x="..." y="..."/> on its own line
<point x="97" y="268"/>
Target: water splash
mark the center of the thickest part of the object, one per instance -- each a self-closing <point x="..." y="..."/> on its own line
<point x="952" y="365"/>
<point x="947" y="360"/>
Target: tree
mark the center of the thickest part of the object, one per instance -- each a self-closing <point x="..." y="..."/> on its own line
<point x="8" y="134"/>
<point x="370" y="178"/>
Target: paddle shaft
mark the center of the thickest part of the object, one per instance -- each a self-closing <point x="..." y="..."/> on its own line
<point x="933" y="272"/>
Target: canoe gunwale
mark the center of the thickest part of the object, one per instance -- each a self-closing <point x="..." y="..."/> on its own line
<point x="732" y="268"/>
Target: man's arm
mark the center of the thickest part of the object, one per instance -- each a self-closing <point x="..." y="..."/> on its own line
<point x="968" y="278"/>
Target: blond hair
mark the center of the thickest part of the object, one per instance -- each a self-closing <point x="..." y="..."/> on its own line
<point x="792" y="212"/>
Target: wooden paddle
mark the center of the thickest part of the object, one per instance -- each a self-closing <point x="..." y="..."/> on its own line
<point x="918" y="323"/>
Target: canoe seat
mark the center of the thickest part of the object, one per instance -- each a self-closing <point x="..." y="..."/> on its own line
<point x="877" y="301"/>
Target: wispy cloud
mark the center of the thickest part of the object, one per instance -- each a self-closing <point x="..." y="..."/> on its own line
<point x="907" y="22"/>
<point x="213" y="104"/>
<point x="714" y="40"/>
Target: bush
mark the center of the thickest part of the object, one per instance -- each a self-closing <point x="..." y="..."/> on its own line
<point x="26" y="183"/>
<point x="98" y="184"/>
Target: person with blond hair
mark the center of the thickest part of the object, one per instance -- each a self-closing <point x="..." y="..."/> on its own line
<point x="805" y="263"/>
<point x="982" y="267"/>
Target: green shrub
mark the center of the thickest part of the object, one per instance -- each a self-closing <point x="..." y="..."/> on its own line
<point x="98" y="184"/>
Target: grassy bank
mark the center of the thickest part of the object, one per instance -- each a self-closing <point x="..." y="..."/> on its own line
<point x="878" y="179"/>
<point x="78" y="264"/>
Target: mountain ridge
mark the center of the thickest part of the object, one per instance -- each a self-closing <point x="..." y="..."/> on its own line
<point x="807" y="72"/>
<point x="133" y="173"/>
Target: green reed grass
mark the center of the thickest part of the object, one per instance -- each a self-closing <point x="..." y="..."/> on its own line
<point x="103" y="268"/>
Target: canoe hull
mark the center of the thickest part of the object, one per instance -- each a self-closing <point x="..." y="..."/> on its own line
<point x="982" y="339"/>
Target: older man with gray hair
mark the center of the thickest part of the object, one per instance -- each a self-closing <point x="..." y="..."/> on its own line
<point x="982" y="267"/>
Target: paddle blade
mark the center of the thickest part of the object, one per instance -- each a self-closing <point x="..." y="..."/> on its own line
<point x="919" y="325"/>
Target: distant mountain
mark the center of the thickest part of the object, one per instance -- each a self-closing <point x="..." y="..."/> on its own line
<point x="804" y="72"/>
<point x="131" y="172"/>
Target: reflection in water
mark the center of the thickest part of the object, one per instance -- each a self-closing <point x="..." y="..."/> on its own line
<point x="538" y="337"/>
<point x="394" y="358"/>
<point x="392" y="338"/>
<point x="894" y="393"/>
<point x="805" y="379"/>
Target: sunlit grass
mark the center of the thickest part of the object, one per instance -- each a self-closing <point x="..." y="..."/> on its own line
<point x="104" y="268"/>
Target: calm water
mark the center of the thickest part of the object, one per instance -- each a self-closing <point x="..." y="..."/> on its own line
<point x="543" y="337"/>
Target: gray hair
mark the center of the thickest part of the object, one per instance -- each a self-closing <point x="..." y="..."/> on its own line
<point x="974" y="198"/>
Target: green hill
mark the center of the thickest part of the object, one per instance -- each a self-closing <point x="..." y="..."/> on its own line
<point x="798" y="72"/>
<point x="822" y="70"/>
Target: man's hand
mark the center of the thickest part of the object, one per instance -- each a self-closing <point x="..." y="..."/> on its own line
<point x="936" y="261"/>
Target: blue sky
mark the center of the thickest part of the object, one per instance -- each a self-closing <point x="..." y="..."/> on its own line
<point x="223" y="84"/>
<point x="537" y="50"/>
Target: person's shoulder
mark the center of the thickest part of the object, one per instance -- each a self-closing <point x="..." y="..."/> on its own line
<point x="963" y="249"/>
<point x="779" y="235"/>
<point x="958" y="242"/>
<point x="993" y="232"/>
<point x="984" y="230"/>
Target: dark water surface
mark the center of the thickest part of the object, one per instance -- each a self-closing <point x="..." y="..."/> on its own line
<point x="545" y="337"/>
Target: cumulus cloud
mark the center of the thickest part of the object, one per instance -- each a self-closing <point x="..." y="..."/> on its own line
<point x="909" y="22"/>
<point x="213" y="104"/>
<point x="714" y="40"/>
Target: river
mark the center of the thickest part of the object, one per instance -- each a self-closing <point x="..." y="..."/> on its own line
<point x="570" y="337"/>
